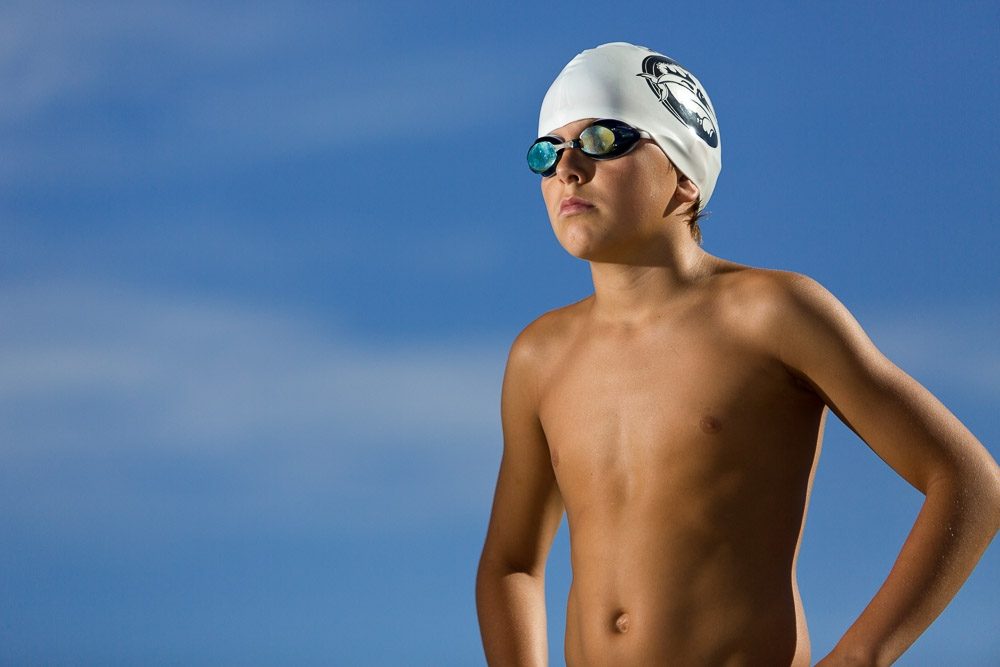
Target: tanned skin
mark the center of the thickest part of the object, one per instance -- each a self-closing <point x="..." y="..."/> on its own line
<point x="676" y="416"/>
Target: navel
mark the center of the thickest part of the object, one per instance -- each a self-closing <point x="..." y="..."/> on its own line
<point x="710" y="425"/>
<point x="621" y="623"/>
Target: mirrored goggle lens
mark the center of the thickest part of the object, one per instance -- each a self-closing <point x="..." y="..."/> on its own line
<point x="604" y="140"/>
<point x="597" y="141"/>
<point x="542" y="156"/>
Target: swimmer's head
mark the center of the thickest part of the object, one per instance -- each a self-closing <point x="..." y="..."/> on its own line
<point x="649" y="91"/>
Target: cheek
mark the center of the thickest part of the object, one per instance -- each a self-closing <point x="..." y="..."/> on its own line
<point x="550" y="195"/>
<point x="655" y="184"/>
<point x="639" y="194"/>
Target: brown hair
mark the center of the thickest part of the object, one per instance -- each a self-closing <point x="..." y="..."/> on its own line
<point x="696" y="214"/>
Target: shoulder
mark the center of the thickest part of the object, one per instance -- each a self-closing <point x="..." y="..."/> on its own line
<point x="797" y="306"/>
<point x="549" y="333"/>
<point x="767" y="287"/>
<point x="765" y="297"/>
<point x="537" y="349"/>
<point x="532" y="357"/>
<point x="789" y="314"/>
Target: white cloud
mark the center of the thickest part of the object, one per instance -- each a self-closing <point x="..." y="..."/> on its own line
<point x="954" y="345"/>
<point x="119" y="407"/>
<point x="53" y="49"/>
<point x="216" y="375"/>
<point x="352" y="98"/>
<point x="210" y="85"/>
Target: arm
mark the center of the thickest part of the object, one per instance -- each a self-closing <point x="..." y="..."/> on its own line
<point x="527" y="509"/>
<point x="925" y="444"/>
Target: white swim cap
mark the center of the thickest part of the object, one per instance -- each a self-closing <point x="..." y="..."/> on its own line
<point x="647" y="90"/>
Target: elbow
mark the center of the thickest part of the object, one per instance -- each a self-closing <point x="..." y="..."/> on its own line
<point x="993" y="497"/>
<point x="487" y="586"/>
<point x="490" y="573"/>
<point x="983" y="493"/>
<point x="498" y="573"/>
<point x="486" y="577"/>
<point x="973" y="493"/>
<point x="497" y="566"/>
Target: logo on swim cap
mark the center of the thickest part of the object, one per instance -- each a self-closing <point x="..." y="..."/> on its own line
<point x="681" y="94"/>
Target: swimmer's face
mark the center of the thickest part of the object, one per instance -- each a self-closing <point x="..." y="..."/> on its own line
<point x="610" y="209"/>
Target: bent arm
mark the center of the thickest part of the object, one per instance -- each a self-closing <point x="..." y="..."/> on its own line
<point x="925" y="444"/>
<point x="527" y="509"/>
<point x="958" y="519"/>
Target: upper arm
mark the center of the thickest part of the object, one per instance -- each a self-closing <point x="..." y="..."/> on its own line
<point x="898" y="418"/>
<point x="527" y="506"/>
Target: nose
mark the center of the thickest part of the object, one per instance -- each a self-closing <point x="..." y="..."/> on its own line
<point x="574" y="165"/>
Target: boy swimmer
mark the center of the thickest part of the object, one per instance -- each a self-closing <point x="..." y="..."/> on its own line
<point x="676" y="415"/>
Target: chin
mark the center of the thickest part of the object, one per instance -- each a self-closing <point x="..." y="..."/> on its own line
<point x="585" y="251"/>
<point x="582" y="240"/>
<point x="581" y="248"/>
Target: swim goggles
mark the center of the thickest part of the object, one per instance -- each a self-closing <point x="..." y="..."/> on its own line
<point x="604" y="139"/>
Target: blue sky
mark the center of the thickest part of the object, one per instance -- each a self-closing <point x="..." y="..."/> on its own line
<point x="261" y="263"/>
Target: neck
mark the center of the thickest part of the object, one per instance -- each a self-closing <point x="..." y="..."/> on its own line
<point x="634" y="292"/>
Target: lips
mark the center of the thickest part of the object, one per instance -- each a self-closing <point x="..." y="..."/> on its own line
<point x="574" y="205"/>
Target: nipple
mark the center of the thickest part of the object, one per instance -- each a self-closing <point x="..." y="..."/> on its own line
<point x="710" y="425"/>
<point x="622" y="623"/>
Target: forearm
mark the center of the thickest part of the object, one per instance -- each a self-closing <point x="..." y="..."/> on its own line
<point x="953" y="529"/>
<point x="511" y="608"/>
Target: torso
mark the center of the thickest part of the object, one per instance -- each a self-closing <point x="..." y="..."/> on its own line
<point x="683" y="449"/>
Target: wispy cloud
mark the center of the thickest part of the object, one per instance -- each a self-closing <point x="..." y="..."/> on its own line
<point x="194" y="85"/>
<point x="954" y="345"/>
<point x="271" y="411"/>
<point x="54" y="50"/>
<point x="221" y="374"/>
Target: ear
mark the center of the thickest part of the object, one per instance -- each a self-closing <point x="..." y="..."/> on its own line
<point x="687" y="192"/>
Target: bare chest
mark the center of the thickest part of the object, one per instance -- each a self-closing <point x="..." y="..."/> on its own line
<point x="686" y="408"/>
